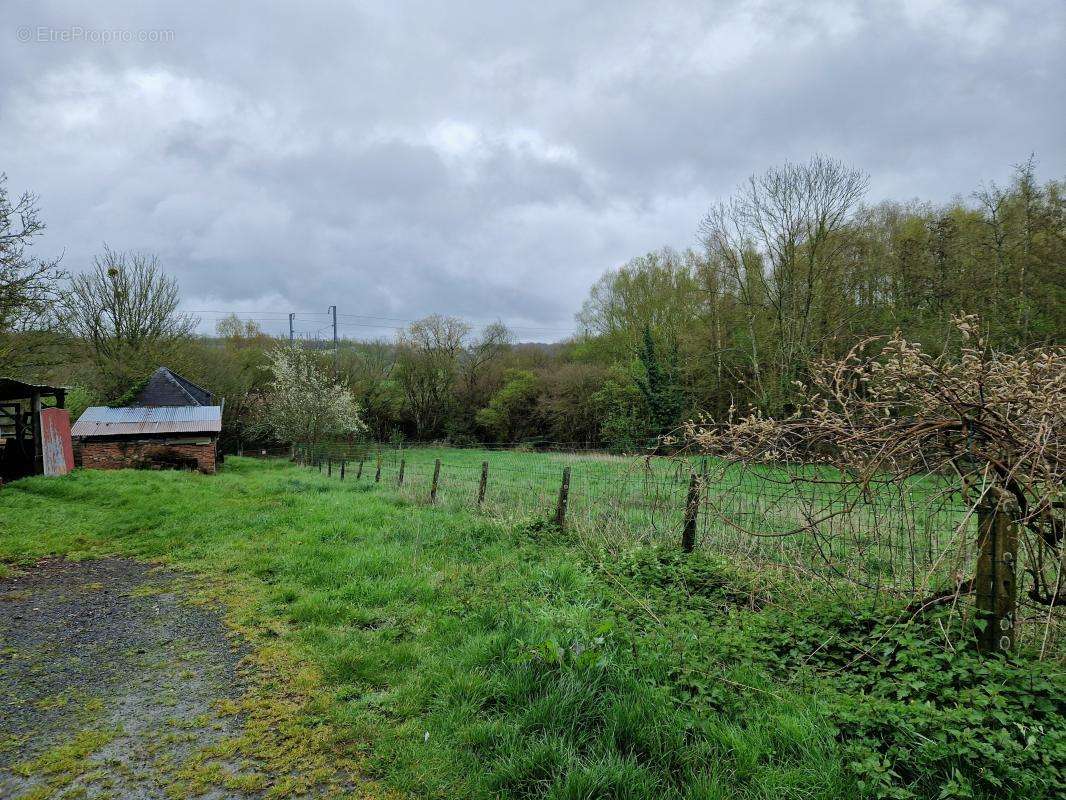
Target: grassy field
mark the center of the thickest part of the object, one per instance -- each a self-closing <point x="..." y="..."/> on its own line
<point x="458" y="654"/>
<point x="902" y="544"/>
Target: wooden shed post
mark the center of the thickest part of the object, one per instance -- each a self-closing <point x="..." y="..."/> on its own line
<point x="38" y="445"/>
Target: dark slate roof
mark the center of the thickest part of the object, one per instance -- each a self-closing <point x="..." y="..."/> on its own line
<point x="165" y="388"/>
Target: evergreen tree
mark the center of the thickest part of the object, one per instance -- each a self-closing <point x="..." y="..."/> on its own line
<point x="660" y="386"/>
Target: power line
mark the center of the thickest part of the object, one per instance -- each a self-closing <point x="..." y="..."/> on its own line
<point x="282" y="316"/>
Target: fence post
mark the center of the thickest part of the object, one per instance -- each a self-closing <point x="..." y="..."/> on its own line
<point x="564" y="499"/>
<point x="484" y="483"/>
<point x="329" y="467"/>
<point x="995" y="583"/>
<point x="377" y="475"/>
<point x="692" y="511"/>
<point x="359" y="472"/>
<point x="403" y="463"/>
<point x="320" y="465"/>
<point x="436" y="480"/>
<point x="344" y="463"/>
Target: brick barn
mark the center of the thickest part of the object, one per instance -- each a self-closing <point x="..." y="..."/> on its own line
<point x="170" y="424"/>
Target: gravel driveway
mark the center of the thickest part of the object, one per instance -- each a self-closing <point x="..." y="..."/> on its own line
<point x="110" y="686"/>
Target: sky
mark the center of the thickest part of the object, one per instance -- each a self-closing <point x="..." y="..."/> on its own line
<point x="488" y="160"/>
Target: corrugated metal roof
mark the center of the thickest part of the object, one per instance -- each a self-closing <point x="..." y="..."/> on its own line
<point x="103" y="421"/>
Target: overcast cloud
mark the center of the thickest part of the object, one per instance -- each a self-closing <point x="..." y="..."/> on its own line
<point x="477" y="159"/>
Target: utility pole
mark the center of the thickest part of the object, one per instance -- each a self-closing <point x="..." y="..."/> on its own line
<point x="292" y="336"/>
<point x="336" y="347"/>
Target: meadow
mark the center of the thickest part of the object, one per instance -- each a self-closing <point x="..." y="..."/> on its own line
<point x="452" y="652"/>
<point x="894" y="543"/>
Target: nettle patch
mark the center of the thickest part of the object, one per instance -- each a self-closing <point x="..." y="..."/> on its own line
<point x="914" y="715"/>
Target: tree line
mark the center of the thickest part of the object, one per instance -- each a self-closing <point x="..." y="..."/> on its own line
<point x="791" y="269"/>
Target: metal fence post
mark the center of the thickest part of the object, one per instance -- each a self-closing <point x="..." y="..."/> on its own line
<point x="564" y="499"/>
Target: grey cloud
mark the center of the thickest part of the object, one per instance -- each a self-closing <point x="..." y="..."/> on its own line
<point x="405" y="158"/>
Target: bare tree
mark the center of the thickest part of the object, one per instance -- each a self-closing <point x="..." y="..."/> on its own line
<point x="28" y="287"/>
<point x="124" y="311"/>
<point x="983" y="425"/>
<point x="777" y="243"/>
<point x="429" y="353"/>
<point x="492" y="343"/>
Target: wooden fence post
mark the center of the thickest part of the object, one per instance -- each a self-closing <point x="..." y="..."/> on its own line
<point x="484" y="483"/>
<point x="692" y="511"/>
<point x="403" y="463"/>
<point x="359" y="472"/>
<point x="436" y="480"/>
<point x="320" y="465"/>
<point x="995" y="581"/>
<point x="564" y="499"/>
<point x="329" y="467"/>
<point x="377" y="475"/>
<point x="344" y="463"/>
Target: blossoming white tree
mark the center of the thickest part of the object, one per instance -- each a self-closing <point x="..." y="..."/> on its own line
<point x="304" y="404"/>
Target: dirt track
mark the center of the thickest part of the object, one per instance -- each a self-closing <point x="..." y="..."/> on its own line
<point x="109" y="684"/>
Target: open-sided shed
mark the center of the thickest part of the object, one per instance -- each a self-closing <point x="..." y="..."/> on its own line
<point x="21" y="404"/>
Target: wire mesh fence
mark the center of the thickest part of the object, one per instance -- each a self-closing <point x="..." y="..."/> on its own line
<point x="890" y="544"/>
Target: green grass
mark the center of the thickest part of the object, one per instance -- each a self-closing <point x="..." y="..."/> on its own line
<point x="463" y="655"/>
<point x="912" y="544"/>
